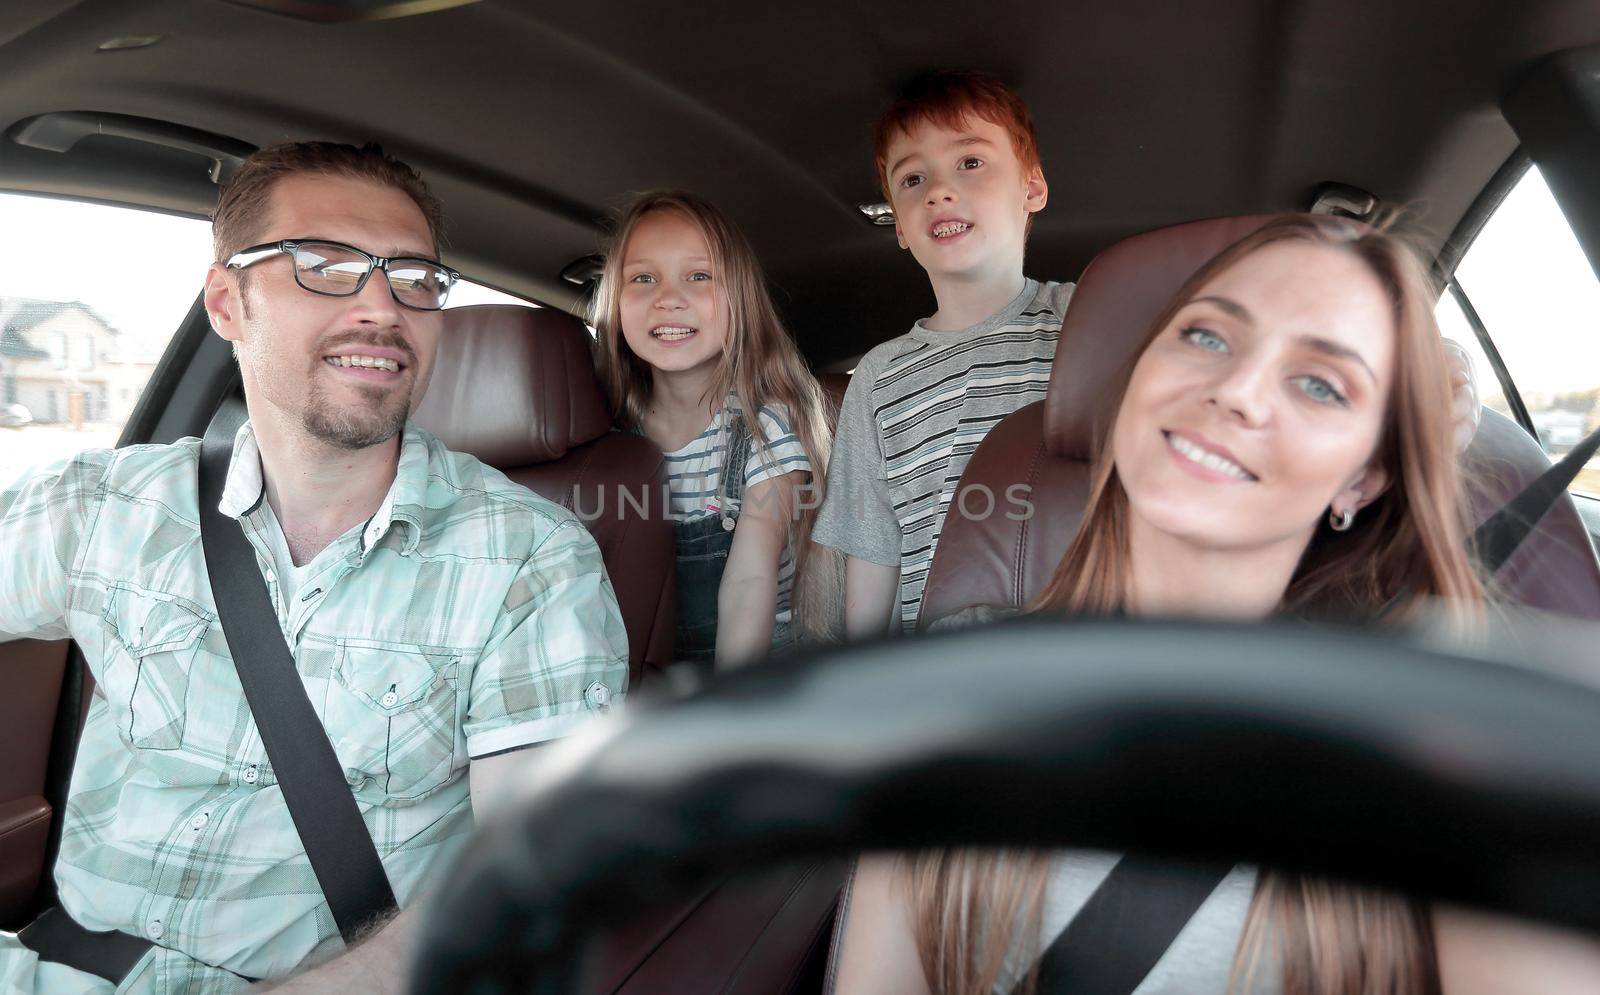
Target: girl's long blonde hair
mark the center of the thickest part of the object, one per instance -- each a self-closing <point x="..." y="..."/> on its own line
<point x="760" y="365"/>
<point x="1406" y="547"/>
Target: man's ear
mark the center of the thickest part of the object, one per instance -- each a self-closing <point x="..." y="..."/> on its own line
<point x="1366" y="488"/>
<point x="223" y="305"/>
<point x="1037" y="190"/>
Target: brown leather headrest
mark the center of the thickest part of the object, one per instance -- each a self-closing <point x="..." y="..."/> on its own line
<point x="1119" y="295"/>
<point x="513" y="385"/>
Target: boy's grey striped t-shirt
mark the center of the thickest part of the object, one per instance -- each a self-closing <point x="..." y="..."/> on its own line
<point x="917" y="408"/>
<point x="694" y="473"/>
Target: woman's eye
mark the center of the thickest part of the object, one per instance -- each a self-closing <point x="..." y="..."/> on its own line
<point x="641" y="278"/>
<point x="971" y="162"/>
<point x="1319" y="390"/>
<point x="1204" y="338"/>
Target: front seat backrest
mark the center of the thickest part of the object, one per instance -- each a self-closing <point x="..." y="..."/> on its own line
<point x="515" y="387"/>
<point x="1007" y="557"/>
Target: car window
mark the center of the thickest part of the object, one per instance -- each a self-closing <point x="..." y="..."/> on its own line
<point x="1531" y="285"/>
<point x="466" y="293"/>
<point x="90" y="295"/>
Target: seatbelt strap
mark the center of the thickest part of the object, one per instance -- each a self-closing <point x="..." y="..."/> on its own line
<point x="1125" y="927"/>
<point x="324" y="810"/>
<point x="1500" y="535"/>
<point x="57" y="937"/>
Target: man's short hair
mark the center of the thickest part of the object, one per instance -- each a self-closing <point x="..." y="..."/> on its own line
<point x="242" y="210"/>
<point x="946" y="98"/>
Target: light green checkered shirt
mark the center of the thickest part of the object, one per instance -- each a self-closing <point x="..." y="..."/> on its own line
<point x="468" y="617"/>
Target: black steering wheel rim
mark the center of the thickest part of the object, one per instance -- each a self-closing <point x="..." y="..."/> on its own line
<point x="1331" y="751"/>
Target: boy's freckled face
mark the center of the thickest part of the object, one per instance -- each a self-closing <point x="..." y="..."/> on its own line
<point x="962" y="199"/>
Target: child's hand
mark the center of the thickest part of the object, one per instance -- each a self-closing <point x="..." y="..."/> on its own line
<point x="1465" y="407"/>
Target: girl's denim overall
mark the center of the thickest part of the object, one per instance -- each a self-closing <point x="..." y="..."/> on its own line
<point x="703" y="546"/>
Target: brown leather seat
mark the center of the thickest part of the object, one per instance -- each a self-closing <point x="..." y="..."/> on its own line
<point x="34" y="672"/>
<point x="1006" y="561"/>
<point x="515" y="387"/>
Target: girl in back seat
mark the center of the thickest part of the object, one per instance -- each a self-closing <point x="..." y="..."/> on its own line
<point x="1283" y="446"/>
<point x="692" y="354"/>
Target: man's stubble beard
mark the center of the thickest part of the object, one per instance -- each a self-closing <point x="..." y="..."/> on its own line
<point x="373" y="423"/>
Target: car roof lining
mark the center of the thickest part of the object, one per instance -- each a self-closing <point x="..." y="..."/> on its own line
<point x="535" y="122"/>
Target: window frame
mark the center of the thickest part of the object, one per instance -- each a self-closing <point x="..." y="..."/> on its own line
<point x="1502" y="374"/>
<point x="1456" y="247"/>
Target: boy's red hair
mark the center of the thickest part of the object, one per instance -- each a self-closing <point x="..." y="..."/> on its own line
<point x="946" y="99"/>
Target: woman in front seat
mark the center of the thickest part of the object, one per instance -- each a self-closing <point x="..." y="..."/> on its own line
<point x="1283" y="446"/>
<point x="693" y="355"/>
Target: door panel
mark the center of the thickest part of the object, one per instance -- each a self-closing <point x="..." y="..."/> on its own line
<point x="32" y="674"/>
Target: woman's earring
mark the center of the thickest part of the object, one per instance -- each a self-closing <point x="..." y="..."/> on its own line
<point x="1341" y="521"/>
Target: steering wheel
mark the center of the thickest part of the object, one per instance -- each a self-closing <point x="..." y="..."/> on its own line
<point x="1333" y="751"/>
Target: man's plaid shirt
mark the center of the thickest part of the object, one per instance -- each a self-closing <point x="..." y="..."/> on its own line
<point x="468" y="617"/>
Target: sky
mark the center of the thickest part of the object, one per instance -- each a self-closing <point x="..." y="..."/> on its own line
<point x="1525" y="274"/>
<point x="1530" y="283"/>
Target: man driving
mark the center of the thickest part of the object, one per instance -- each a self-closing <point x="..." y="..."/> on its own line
<point x="440" y="618"/>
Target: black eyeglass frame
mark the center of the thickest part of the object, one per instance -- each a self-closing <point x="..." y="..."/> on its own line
<point x="266" y="250"/>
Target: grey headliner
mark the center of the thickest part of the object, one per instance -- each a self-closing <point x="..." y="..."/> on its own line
<point x="534" y="120"/>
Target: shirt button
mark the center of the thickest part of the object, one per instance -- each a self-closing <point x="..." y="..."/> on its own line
<point x="597" y="695"/>
<point x="199" y="821"/>
<point x="154" y="930"/>
<point x="389" y="698"/>
<point x="251" y="774"/>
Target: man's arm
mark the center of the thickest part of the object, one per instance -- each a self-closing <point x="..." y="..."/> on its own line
<point x="493" y="779"/>
<point x="378" y="963"/>
<point x="44" y="519"/>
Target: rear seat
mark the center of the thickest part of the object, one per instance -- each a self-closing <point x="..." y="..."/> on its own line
<point x="515" y="387"/>
<point x="998" y="561"/>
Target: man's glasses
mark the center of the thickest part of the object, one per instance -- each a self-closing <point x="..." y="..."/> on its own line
<point x="334" y="269"/>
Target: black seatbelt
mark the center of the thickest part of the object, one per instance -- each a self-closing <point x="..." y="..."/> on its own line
<point x="1500" y="535"/>
<point x="324" y="810"/>
<point x="56" y="937"/>
<point x="1125" y="927"/>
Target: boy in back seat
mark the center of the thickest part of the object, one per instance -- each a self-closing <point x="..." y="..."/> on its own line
<point x="958" y="160"/>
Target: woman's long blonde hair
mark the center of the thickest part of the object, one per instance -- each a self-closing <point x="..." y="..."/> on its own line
<point x="760" y="365"/>
<point x="1406" y="547"/>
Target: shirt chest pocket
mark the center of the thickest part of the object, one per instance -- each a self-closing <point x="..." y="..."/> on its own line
<point x="393" y="715"/>
<point x="152" y="649"/>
